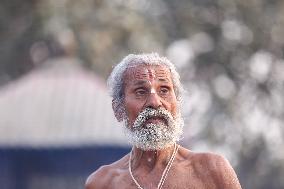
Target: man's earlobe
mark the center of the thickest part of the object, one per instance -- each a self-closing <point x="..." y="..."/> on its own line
<point x="118" y="110"/>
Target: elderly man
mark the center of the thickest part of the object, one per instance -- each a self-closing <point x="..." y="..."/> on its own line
<point x="146" y="93"/>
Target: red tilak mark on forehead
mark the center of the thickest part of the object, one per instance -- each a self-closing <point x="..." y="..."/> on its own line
<point x="144" y="74"/>
<point x="151" y="74"/>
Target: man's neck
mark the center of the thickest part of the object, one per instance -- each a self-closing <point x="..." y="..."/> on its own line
<point x="151" y="159"/>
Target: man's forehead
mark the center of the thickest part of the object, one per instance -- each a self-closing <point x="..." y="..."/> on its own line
<point x="148" y="72"/>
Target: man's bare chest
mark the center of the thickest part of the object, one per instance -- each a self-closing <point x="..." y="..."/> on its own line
<point x="175" y="180"/>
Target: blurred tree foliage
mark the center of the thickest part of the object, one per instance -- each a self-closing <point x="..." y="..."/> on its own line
<point x="18" y="30"/>
<point x="229" y="54"/>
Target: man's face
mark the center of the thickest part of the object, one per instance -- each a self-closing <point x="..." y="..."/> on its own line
<point x="148" y="86"/>
<point x="151" y="106"/>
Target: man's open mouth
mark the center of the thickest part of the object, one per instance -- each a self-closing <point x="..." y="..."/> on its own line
<point x="156" y="120"/>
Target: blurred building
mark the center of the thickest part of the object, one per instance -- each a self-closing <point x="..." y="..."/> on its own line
<point x="56" y="127"/>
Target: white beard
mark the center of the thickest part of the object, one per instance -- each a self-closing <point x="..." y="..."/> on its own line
<point x="154" y="136"/>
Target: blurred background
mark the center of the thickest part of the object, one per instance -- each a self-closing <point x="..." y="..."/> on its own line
<point x="56" y="121"/>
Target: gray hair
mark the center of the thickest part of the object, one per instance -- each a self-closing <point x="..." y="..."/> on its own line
<point x="115" y="81"/>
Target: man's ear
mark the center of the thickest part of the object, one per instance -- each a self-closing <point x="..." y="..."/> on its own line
<point x="118" y="110"/>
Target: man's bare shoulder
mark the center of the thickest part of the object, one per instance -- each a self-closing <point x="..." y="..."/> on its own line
<point x="204" y="159"/>
<point x="102" y="178"/>
<point x="211" y="165"/>
<point x="98" y="178"/>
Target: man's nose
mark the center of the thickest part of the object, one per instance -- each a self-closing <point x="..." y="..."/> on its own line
<point x="153" y="101"/>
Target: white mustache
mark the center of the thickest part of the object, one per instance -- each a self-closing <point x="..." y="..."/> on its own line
<point x="148" y="113"/>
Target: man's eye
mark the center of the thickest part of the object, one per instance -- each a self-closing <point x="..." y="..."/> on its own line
<point x="164" y="91"/>
<point x="140" y="92"/>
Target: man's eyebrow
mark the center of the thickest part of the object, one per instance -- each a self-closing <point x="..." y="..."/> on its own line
<point x="141" y="82"/>
<point x="164" y="79"/>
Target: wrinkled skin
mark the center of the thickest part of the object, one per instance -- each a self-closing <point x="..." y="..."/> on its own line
<point x="151" y="86"/>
